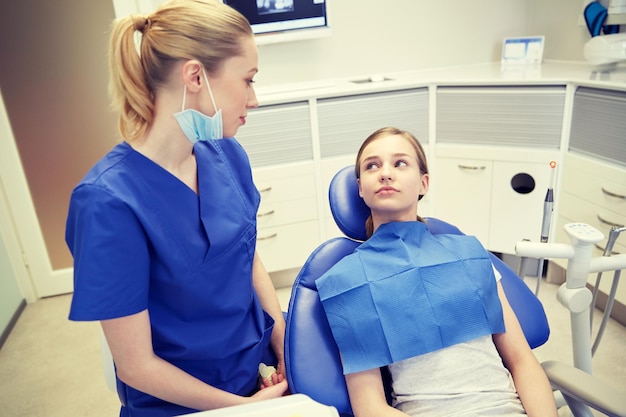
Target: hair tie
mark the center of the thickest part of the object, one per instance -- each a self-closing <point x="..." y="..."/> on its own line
<point x="142" y="23"/>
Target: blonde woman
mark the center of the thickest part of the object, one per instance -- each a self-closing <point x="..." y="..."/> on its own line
<point x="163" y="228"/>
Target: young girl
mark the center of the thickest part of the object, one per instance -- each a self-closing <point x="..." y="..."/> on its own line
<point x="428" y="307"/>
<point x="163" y="228"/>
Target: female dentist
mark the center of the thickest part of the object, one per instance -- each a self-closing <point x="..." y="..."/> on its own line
<point x="163" y="228"/>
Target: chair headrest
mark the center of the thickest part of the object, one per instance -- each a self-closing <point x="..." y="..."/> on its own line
<point x="348" y="208"/>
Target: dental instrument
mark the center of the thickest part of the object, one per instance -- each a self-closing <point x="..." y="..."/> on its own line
<point x="548" y="208"/>
<point x="574" y="294"/>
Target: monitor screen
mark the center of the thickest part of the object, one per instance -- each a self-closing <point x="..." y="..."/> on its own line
<point x="280" y="16"/>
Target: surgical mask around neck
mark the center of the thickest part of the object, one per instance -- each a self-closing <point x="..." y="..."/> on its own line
<point x="198" y="126"/>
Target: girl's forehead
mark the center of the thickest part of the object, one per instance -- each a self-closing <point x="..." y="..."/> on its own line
<point x="389" y="144"/>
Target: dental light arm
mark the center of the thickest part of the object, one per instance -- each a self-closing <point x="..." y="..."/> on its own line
<point x="576" y="384"/>
<point x="580" y="386"/>
<point x="547" y="250"/>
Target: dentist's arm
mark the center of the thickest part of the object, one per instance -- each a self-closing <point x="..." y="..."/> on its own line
<point x="269" y="301"/>
<point x="130" y="341"/>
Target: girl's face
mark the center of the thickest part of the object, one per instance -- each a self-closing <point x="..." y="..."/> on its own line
<point x="390" y="181"/>
<point x="232" y="88"/>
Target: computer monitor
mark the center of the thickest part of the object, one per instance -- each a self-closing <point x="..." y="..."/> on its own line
<point x="284" y="20"/>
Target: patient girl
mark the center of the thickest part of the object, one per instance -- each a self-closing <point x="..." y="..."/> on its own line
<point x="429" y="307"/>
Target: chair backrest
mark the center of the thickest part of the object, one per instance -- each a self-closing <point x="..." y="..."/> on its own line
<point x="311" y="355"/>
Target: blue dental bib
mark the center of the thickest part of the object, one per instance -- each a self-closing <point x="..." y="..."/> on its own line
<point x="406" y="292"/>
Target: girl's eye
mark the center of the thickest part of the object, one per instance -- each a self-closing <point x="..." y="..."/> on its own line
<point x="401" y="163"/>
<point x="370" y="165"/>
<point x="250" y="82"/>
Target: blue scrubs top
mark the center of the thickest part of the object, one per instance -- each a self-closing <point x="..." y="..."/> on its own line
<point x="142" y="239"/>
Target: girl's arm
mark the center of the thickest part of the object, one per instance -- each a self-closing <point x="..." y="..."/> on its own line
<point x="269" y="301"/>
<point x="367" y="395"/>
<point x="130" y="341"/>
<point x="530" y="380"/>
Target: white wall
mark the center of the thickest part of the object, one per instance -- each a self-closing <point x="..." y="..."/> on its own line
<point x="374" y="37"/>
<point x="412" y="34"/>
<point x="10" y="297"/>
<point x="401" y="35"/>
<point x="558" y="21"/>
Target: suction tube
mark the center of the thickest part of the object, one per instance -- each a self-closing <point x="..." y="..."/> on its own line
<point x="613" y="235"/>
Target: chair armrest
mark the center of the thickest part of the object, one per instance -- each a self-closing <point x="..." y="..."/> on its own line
<point x="583" y="387"/>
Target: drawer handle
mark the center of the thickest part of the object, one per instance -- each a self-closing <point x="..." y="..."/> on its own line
<point x="266" y="189"/>
<point x="472" y="168"/>
<point x="608" y="223"/>
<point x="602" y="249"/>
<point x="611" y="194"/>
<point x="272" y="236"/>
<point x="267" y="213"/>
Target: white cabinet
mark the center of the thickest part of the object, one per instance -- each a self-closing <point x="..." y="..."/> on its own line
<point x="493" y="148"/>
<point x="496" y="199"/>
<point x="518" y="192"/>
<point x="278" y="134"/>
<point x="594" y="172"/>
<point x="279" y="142"/>
<point x="593" y="192"/>
<point x="463" y="194"/>
<point x="345" y="122"/>
<point x="287" y="220"/>
<point x="515" y="116"/>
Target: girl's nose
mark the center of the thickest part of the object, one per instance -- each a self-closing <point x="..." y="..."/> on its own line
<point x="385" y="173"/>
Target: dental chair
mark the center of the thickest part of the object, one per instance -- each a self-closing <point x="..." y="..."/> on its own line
<point x="313" y="365"/>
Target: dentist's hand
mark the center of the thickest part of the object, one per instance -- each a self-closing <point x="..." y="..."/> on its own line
<point x="278" y="389"/>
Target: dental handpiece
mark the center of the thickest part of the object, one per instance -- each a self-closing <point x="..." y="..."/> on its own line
<point x="613" y="235"/>
<point x="548" y="206"/>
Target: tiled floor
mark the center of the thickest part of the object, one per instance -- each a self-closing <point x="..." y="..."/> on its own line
<point x="51" y="367"/>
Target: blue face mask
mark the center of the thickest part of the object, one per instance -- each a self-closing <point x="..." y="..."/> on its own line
<point x="198" y="126"/>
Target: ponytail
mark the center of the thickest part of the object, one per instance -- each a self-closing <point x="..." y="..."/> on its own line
<point x="130" y="95"/>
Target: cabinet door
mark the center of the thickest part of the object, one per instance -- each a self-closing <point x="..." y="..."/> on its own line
<point x="277" y="134"/>
<point x="463" y="195"/>
<point x="518" y="192"/>
<point x="345" y="122"/>
<point x="501" y="116"/>
<point x="598" y="124"/>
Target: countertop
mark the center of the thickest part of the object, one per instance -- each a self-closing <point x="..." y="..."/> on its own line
<point x="547" y="73"/>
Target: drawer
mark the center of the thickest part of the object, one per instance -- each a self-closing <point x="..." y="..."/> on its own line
<point x="597" y="182"/>
<point x="287" y="212"/>
<point x="285" y="183"/>
<point x="287" y="247"/>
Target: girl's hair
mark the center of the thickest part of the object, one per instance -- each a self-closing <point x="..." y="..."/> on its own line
<point x="419" y="153"/>
<point x="206" y="30"/>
